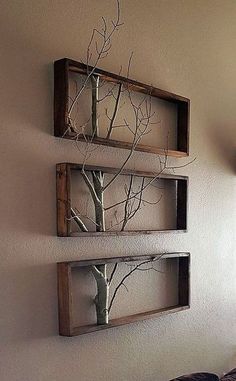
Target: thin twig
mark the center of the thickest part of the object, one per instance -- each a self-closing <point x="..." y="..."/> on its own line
<point x="114" y="112"/>
<point x="113" y="272"/>
<point x="105" y="47"/>
<point x="127" y="275"/>
<point x="78" y="221"/>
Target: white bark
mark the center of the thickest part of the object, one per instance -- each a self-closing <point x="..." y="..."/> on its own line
<point x="95" y="86"/>
<point x="100" y="272"/>
<point x="102" y="298"/>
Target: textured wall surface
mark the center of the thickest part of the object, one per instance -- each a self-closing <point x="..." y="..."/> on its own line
<point x="185" y="46"/>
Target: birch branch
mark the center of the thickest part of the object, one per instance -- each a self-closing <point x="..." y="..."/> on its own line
<point x="101" y="53"/>
<point x="138" y="192"/>
<point x="114" y="112"/>
<point x="95" y="84"/>
<point x="113" y="273"/>
<point x="121" y="283"/>
<point x="97" y="273"/>
<point x="78" y="221"/>
<point x="79" y="215"/>
<point x="91" y="187"/>
<point x="135" y="143"/>
<point x="131" y="213"/>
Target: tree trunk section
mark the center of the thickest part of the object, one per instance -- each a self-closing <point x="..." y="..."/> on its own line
<point x="98" y="178"/>
<point x="101" y="301"/>
<point x="95" y="86"/>
<point x="100" y="272"/>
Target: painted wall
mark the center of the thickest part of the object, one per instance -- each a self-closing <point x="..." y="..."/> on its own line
<point x="185" y="46"/>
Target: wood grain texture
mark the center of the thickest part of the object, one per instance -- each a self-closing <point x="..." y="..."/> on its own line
<point x="112" y="170"/>
<point x="64" y="299"/>
<point x="129" y="258"/>
<point x="64" y="201"/>
<point x="61" y="96"/>
<point x="81" y="68"/>
<point x="182" y="203"/>
<point x="124" y="233"/>
<point x="127" y="320"/>
<point x="183" y="127"/>
<point x="64" y="66"/>
<point x="184" y="281"/>
<point x="63" y="187"/>
<point x="127" y="145"/>
<point x="66" y="327"/>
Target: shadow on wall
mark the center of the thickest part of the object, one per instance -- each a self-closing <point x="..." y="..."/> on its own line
<point x="28" y="96"/>
<point x="29" y="186"/>
<point x="30" y="314"/>
<point x="223" y="138"/>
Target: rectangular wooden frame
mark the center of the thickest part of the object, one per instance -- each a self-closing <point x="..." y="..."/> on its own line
<point x="64" y="66"/>
<point x="63" y="179"/>
<point x="65" y="297"/>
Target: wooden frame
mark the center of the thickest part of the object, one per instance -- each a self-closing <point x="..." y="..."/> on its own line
<point x="64" y="66"/>
<point x="63" y="177"/>
<point x="65" y="297"/>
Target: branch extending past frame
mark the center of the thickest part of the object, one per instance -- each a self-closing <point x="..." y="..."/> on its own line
<point x="102" y="52"/>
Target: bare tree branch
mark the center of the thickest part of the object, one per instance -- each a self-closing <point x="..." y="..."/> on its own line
<point x="113" y="272"/>
<point x="101" y="52"/>
<point x="100" y="45"/>
<point x="145" y="186"/>
<point x="129" y="211"/>
<point x="95" y="84"/>
<point x="132" y="149"/>
<point x="114" y="112"/>
<point x="127" y="275"/>
<point x="91" y="187"/>
<point x="78" y="221"/>
<point x="79" y="215"/>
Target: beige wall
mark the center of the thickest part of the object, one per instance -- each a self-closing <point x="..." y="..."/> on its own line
<point x="187" y="47"/>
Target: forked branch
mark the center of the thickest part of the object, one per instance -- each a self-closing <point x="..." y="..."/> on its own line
<point x="105" y="36"/>
<point x="135" y="268"/>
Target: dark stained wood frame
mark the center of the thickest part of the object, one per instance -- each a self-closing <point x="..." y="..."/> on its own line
<point x="67" y="326"/>
<point x="63" y="179"/>
<point x="64" y="66"/>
